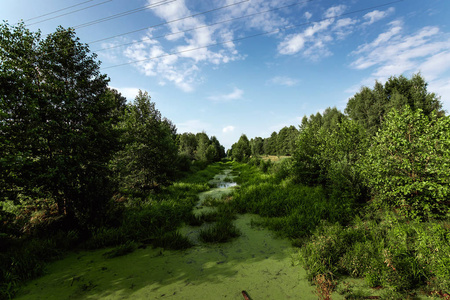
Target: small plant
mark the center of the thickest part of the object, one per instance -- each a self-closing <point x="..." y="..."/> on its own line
<point x="222" y="231"/>
<point x="173" y="240"/>
<point x="121" y="250"/>
<point x="325" y="285"/>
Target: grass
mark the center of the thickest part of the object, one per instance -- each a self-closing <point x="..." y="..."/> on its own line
<point x="121" y="250"/>
<point x="339" y="238"/>
<point x="220" y="232"/>
<point x="135" y="218"/>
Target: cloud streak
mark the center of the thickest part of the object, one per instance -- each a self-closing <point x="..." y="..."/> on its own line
<point x="236" y="94"/>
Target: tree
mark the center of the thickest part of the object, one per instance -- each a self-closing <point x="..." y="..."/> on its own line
<point x="187" y="144"/>
<point x="241" y="151"/>
<point x="219" y="149"/>
<point x="407" y="165"/>
<point x="57" y="120"/>
<point x="150" y="151"/>
<point x="369" y="107"/>
<point x="257" y="146"/>
<point x="203" y="143"/>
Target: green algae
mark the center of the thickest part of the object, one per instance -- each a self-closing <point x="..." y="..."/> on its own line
<point x="257" y="262"/>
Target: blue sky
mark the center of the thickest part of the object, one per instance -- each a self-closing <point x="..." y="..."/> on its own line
<point x="259" y="65"/>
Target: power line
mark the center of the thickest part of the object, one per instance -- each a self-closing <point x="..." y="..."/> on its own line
<point x="71" y="12"/>
<point x="125" y="13"/>
<point x="251" y="36"/>
<point x="168" y="22"/>
<point x="204" y="26"/>
<point x="54" y="12"/>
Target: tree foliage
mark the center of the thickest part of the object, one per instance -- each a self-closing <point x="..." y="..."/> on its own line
<point x="241" y="150"/>
<point x="150" y="151"/>
<point x="369" y="106"/>
<point x="407" y="164"/>
<point x="57" y="118"/>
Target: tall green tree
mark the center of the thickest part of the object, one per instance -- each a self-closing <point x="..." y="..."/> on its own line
<point x="57" y="120"/>
<point x="241" y="151"/>
<point x="407" y="164"/>
<point x="257" y="146"/>
<point x="187" y="144"/>
<point x="203" y="143"/>
<point x="150" y="150"/>
<point x="369" y="106"/>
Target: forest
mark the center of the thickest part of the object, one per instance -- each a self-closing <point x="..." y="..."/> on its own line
<point x="362" y="193"/>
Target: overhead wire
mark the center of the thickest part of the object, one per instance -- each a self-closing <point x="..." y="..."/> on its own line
<point x="168" y="22"/>
<point x="59" y="10"/>
<point x="71" y="12"/>
<point x="171" y="21"/>
<point x="125" y="13"/>
<point x="253" y="35"/>
<point x="203" y="26"/>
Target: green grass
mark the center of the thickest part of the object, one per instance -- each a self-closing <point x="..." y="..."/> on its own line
<point x="135" y="218"/>
<point x="220" y="232"/>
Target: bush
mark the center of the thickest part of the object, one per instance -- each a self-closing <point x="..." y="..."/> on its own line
<point x="397" y="255"/>
<point x="407" y="164"/>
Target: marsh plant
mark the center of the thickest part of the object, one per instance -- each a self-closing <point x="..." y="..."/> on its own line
<point x="220" y="232"/>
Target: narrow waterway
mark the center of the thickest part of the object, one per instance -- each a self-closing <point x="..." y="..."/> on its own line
<point x="256" y="262"/>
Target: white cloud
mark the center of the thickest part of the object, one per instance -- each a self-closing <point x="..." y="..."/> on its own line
<point x="307" y="15"/>
<point x="335" y="11"/>
<point x="283" y="80"/>
<point x="376" y="15"/>
<point x="394" y="53"/>
<point x="228" y="129"/>
<point x="313" y="42"/>
<point x="128" y="92"/>
<point x="193" y="126"/>
<point x="236" y="94"/>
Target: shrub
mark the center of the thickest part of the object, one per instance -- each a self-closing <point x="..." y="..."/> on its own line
<point x="407" y="164"/>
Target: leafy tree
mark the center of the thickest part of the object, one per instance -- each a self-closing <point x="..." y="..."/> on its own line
<point x="187" y="144"/>
<point x="150" y="151"/>
<point x="369" y="106"/>
<point x="257" y="146"/>
<point x="270" y="144"/>
<point x="407" y="164"/>
<point x="203" y="143"/>
<point x="328" y="149"/>
<point x="286" y="140"/>
<point x="57" y="120"/>
<point x="241" y="151"/>
<point x="219" y="149"/>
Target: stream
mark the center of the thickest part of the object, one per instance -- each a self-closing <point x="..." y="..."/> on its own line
<point x="257" y="262"/>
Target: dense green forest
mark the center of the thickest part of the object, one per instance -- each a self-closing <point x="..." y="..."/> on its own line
<point x="363" y="193"/>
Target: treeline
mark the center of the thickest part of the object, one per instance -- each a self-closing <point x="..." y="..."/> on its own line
<point x="69" y="143"/>
<point x="366" y="192"/>
<point x="280" y="143"/>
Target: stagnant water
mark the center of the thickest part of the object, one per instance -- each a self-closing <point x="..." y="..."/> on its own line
<point x="257" y="262"/>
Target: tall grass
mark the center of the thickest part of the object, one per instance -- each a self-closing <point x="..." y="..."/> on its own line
<point x="151" y="218"/>
<point x="399" y="255"/>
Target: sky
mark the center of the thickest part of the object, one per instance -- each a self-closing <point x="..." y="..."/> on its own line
<point x="232" y="67"/>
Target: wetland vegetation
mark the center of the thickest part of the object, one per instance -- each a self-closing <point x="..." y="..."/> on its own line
<point x="104" y="199"/>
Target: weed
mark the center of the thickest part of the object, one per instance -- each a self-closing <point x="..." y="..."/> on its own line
<point x="173" y="240"/>
<point x="325" y="285"/>
<point x="121" y="250"/>
<point x="222" y="231"/>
